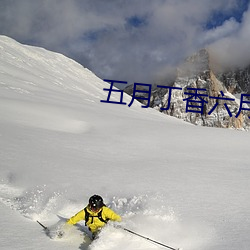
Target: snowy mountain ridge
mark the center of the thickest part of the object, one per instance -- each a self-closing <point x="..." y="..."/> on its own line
<point x="35" y="74"/>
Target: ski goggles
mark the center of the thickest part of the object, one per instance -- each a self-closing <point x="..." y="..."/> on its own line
<point x="94" y="208"/>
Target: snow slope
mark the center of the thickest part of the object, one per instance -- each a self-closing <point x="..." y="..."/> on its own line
<point x="179" y="184"/>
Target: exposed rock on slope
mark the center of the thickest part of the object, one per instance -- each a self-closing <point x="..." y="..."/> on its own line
<point x="194" y="94"/>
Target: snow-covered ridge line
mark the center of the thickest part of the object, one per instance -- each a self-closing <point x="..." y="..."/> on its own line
<point x="34" y="60"/>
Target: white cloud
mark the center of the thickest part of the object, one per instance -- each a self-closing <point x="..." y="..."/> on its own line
<point x="233" y="49"/>
<point x="228" y="28"/>
<point x="97" y="33"/>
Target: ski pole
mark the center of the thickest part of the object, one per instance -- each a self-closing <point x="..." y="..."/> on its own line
<point x="146" y="238"/>
<point x="45" y="228"/>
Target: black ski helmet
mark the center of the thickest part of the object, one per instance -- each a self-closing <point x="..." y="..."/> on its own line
<point x="96" y="202"/>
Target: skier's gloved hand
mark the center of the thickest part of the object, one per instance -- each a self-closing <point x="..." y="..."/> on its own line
<point x="62" y="230"/>
<point x="60" y="233"/>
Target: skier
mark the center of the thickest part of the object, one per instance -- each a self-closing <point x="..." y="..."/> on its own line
<point x="95" y="214"/>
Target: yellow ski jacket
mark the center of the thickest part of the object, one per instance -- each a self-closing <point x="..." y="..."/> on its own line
<point x="94" y="223"/>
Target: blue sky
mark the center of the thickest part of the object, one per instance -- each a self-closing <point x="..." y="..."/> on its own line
<point x="218" y="17"/>
<point x="132" y="40"/>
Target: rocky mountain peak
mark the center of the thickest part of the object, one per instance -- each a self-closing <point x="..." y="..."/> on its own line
<point x="196" y="64"/>
<point x="202" y="95"/>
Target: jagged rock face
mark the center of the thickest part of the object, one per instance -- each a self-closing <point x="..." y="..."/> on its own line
<point x="196" y="73"/>
<point x="237" y="81"/>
